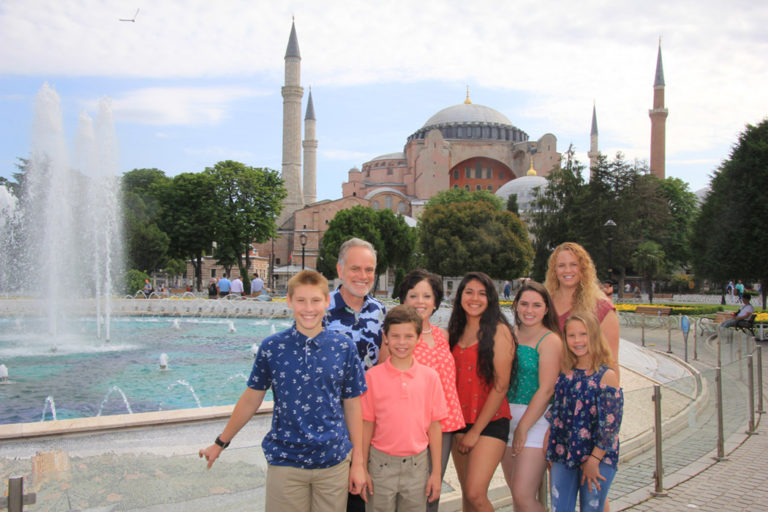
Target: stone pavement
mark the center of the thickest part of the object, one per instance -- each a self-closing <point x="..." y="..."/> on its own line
<point x="734" y="484"/>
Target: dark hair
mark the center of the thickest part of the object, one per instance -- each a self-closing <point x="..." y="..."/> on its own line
<point x="550" y="320"/>
<point x="414" y="277"/>
<point x="489" y="322"/>
<point x="402" y="314"/>
<point x="747" y="296"/>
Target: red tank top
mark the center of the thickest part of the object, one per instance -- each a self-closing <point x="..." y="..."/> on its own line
<point x="473" y="390"/>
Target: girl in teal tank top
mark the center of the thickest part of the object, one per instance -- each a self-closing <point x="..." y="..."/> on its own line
<point x="538" y="358"/>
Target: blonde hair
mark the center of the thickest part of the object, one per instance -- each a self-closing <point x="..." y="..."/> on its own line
<point x="597" y="346"/>
<point x="588" y="289"/>
<point x="308" y="277"/>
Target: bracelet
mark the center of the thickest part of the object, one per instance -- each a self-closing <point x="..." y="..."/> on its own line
<point x="220" y="443"/>
<point x="591" y="455"/>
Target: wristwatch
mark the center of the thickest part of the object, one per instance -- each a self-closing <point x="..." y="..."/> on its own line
<point x="221" y="443"/>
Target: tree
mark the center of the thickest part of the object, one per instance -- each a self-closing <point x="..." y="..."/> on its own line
<point x="461" y="195"/>
<point x="512" y="204"/>
<point x="730" y="233"/>
<point x="398" y="239"/>
<point x="456" y="237"/>
<point x="189" y="211"/>
<point x="557" y="211"/>
<point x="648" y="260"/>
<point x="146" y="243"/>
<point x="249" y="200"/>
<point x="643" y="207"/>
<point x="389" y="234"/>
<point x="147" y="246"/>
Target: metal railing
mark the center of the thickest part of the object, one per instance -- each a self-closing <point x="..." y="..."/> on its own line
<point x="725" y="405"/>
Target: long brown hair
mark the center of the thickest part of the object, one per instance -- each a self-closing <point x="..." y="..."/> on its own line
<point x="489" y="322"/>
<point x="550" y="318"/>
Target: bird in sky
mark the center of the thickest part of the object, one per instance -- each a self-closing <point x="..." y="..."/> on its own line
<point x="132" y="20"/>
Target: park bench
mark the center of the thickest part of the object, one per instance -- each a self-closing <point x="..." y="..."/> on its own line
<point x="748" y="326"/>
<point x="653" y="310"/>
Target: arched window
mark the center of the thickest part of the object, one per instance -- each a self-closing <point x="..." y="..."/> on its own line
<point x="375" y="205"/>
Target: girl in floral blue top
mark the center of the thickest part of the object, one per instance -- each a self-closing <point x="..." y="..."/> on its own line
<point x="585" y="417"/>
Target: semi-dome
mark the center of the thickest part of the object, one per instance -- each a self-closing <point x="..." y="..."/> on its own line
<point x="467" y="113"/>
<point x="525" y="188"/>
<point x="389" y="156"/>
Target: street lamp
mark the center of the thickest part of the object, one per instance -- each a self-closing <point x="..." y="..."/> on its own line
<point x="303" y="242"/>
<point x="610" y="227"/>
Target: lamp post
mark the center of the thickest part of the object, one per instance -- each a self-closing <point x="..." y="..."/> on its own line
<point x="610" y="227"/>
<point x="303" y="242"/>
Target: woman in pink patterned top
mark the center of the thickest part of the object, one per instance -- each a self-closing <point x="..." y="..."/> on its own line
<point x="424" y="292"/>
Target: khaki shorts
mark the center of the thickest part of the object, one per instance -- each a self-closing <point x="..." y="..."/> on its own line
<point x="399" y="483"/>
<point x="318" y="490"/>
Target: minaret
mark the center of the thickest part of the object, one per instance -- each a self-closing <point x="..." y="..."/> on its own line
<point x="310" y="153"/>
<point x="594" y="153"/>
<point x="658" y="116"/>
<point x="292" y="94"/>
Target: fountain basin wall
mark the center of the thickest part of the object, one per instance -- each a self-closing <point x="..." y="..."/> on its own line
<point x="162" y="307"/>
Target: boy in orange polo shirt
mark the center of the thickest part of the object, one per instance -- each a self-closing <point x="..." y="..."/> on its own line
<point x="402" y="410"/>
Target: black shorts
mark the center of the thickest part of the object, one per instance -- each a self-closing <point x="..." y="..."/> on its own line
<point x="497" y="428"/>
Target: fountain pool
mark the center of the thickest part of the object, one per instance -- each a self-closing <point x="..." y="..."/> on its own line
<point x="76" y="375"/>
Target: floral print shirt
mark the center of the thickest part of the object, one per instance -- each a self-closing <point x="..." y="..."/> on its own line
<point x="584" y="414"/>
<point x="363" y="327"/>
<point x="440" y="359"/>
<point x="309" y="377"/>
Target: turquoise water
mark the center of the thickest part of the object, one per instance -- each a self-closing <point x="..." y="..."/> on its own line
<point x="209" y="361"/>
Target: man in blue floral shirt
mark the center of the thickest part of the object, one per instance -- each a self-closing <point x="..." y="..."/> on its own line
<point x="314" y="448"/>
<point x="353" y="311"/>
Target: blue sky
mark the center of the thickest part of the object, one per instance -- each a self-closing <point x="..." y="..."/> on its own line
<point x="196" y="82"/>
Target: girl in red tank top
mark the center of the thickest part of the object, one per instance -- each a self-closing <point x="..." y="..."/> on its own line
<point x="482" y="343"/>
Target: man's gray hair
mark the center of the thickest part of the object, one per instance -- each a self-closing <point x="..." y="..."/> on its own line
<point x="354" y="242"/>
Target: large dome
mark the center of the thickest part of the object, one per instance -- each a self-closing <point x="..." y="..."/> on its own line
<point x="468" y="113"/>
<point x="471" y="121"/>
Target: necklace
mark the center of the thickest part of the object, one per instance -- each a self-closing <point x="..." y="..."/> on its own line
<point x="427" y="332"/>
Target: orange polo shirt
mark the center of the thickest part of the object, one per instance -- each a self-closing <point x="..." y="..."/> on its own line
<point x="401" y="405"/>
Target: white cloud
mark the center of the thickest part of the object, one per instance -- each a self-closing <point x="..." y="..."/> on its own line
<point x="561" y="56"/>
<point x="179" y="105"/>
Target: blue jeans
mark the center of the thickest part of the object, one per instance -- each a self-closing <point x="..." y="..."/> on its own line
<point x="566" y="484"/>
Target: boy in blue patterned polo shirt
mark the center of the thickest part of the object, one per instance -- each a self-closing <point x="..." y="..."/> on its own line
<point x="316" y="378"/>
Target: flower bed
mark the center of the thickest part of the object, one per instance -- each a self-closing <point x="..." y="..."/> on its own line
<point x="677" y="309"/>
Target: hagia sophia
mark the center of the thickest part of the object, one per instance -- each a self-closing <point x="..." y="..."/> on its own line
<point x="465" y="145"/>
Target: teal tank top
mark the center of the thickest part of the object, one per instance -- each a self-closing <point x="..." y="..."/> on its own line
<point x="527" y="379"/>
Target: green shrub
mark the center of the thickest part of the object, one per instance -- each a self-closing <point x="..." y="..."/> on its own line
<point x="133" y="281"/>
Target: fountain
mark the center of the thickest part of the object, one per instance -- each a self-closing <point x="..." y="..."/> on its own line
<point x="49" y="404"/>
<point x="189" y="387"/>
<point x="61" y="235"/>
<point x="84" y="375"/>
<point x="106" y="397"/>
